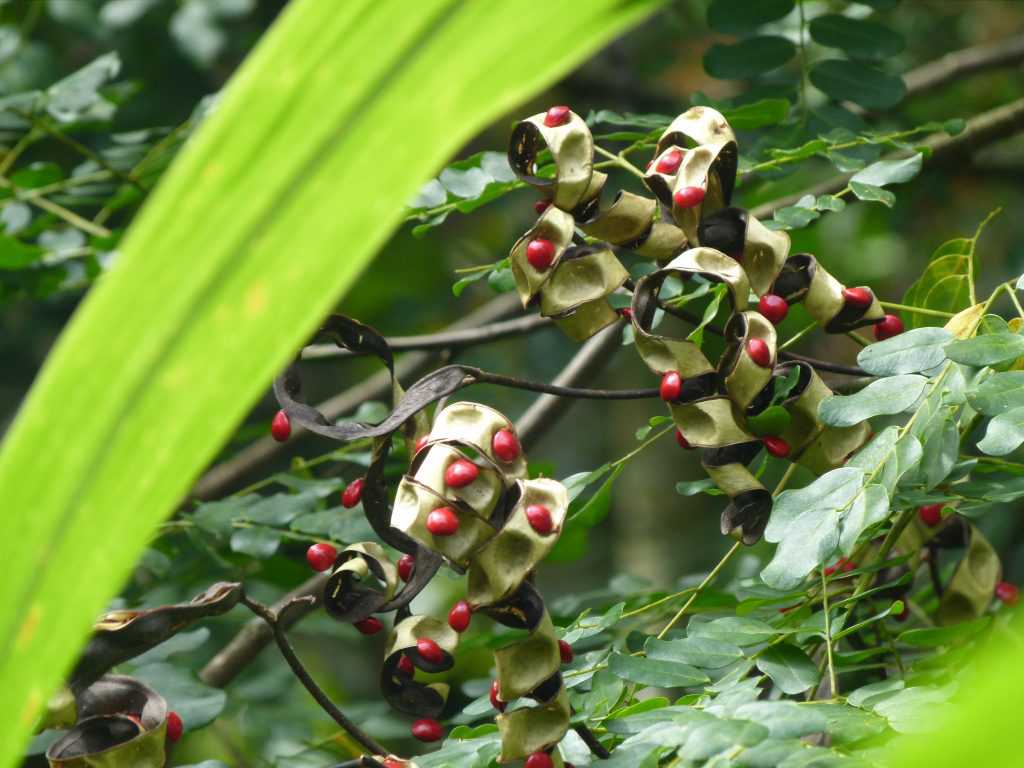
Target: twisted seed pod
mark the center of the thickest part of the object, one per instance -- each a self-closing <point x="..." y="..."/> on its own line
<point x="362" y="582"/>
<point x="499" y="547"/>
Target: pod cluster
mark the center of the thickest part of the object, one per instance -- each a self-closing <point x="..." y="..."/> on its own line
<point x="745" y="401"/>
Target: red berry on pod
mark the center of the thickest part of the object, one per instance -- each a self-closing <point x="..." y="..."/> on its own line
<point x="857" y="297"/>
<point x="461" y="473"/>
<point x="427" y="730"/>
<point x="280" y="427"/>
<point x="443" y="521"/>
<point x="321" y="556"/>
<point x="389" y="763"/>
<point x="506" y="445"/>
<point x="353" y="493"/>
<point x="774" y="308"/>
<point x="459" y="616"/>
<point x="405" y="666"/>
<point x="843" y="565"/>
<point x="759" y="352"/>
<point x="930" y="514"/>
<point x="557" y="116"/>
<point x="540" y="253"/>
<point x="420" y="444"/>
<point x="429" y="651"/>
<point x="671" y="386"/>
<point x="688" y="197"/>
<point x="368" y="626"/>
<point x="625" y="313"/>
<point x="565" y="651"/>
<point x="681" y="439"/>
<point x="539" y="760"/>
<point x="405" y="565"/>
<point x="539" y="518"/>
<point x="1007" y="593"/>
<point x="541" y="205"/>
<point x="174" y="727"/>
<point x="776" y="446"/>
<point x="670" y="162"/>
<point x="889" y="326"/>
<point x="496" y="701"/>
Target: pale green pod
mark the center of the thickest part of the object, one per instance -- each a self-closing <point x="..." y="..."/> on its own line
<point x="696" y="171"/>
<point x="764" y="254"/>
<point x="525" y="731"/>
<point x="498" y="568"/>
<point x="481" y="495"/>
<point x="704" y="126"/>
<point x="626" y="221"/>
<point x="664" y="241"/>
<point x="709" y="423"/>
<point x="582" y="323"/>
<point x="414" y="501"/>
<point x="969" y="592"/>
<point x="407" y="632"/>
<point x="733" y="479"/>
<point x="526" y="663"/>
<point x="475" y="424"/>
<point x="715" y="265"/>
<point x="744" y="379"/>
<point x="572" y="149"/>
<point x="554" y="225"/>
<point x="833" y="446"/>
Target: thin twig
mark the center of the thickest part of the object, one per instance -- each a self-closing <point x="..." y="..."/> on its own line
<point x="273" y="618"/>
<point x="591" y="741"/>
<point x="832" y="681"/>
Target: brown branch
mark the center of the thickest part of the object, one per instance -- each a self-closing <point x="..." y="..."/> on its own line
<point x="982" y="130"/>
<point x="452" y="340"/>
<point x="227" y="475"/>
<point x="274" y="619"/>
<point x="1002" y="53"/>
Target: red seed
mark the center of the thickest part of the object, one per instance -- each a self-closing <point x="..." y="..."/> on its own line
<point x="427" y="730"/>
<point x="541" y="205"/>
<point x="857" y="297"/>
<point x="353" y="493"/>
<point x="625" y="313"/>
<point x="539" y="760"/>
<point x="1007" y="593"/>
<point x="174" y="727"/>
<point x="420" y="444"/>
<point x="505" y="445"/>
<point x="540" y="253"/>
<point x="321" y="556"/>
<point x="774" y="308"/>
<point x="681" y="439"/>
<point x="443" y="521"/>
<point x="776" y="446"/>
<point x="930" y="514"/>
<point x="670" y="162"/>
<point x="429" y="651"/>
<point x="280" y="427"/>
<point x="557" y="116"/>
<point x="539" y="518"/>
<point x="671" y="386"/>
<point x="389" y="763"/>
<point x="889" y="326"/>
<point x="461" y="473"/>
<point x="405" y="666"/>
<point x="405" y="565"/>
<point x="758" y="351"/>
<point x="496" y="701"/>
<point x="368" y="626"/>
<point x="565" y="651"/>
<point x="688" y="197"/>
<point x="459" y="616"/>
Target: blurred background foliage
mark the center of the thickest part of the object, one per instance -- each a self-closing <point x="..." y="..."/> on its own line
<point x="93" y="146"/>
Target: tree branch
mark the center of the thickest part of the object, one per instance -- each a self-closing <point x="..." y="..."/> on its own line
<point x="452" y="340"/>
<point x="981" y="130"/>
<point x="273" y="619"/>
<point x="969" y="61"/>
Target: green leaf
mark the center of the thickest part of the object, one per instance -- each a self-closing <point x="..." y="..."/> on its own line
<point x="773" y="420"/>
<point x="736" y="17"/>
<point x="664" y="674"/>
<point x="738" y="630"/>
<point x="747" y="58"/>
<point x="872" y="194"/>
<point x="1004" y="433"/>
<point x="258" y="541"/>
<point x="703" y="652"/>
<point x="214" y="291"/>
<point x="930" y="637"/>
<point x="858" y="82"/>
<point x="15" y="254"/>
<point x="879" y="398"/>
<point x="710" y="311"/>
<point x="197" y="704"/>
<point x="917" y="350"/>
<point x="693" y="487"/>
<point x="789" y="668"/>
<point x="783" y="719"/>
<point x="858" y="37"/>
<point x="998" y="393"/>
<point x="890" y="171"/>
<point x="758" y="114"/>
<point x="950" y="260"/>
<point x="990" y="349"/>
<point x="795" y="217"/>
<point x="805" y="523"/>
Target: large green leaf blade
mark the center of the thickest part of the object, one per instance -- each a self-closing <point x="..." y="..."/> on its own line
<point x="329" y="128"/>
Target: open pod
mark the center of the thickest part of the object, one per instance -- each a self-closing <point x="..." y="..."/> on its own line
<point x="361" y="583"/>
<point x="121" y="724"/>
